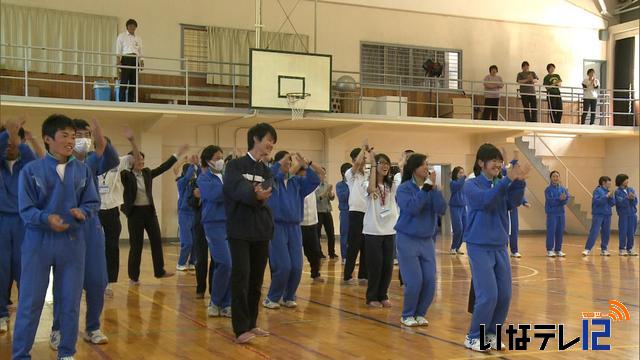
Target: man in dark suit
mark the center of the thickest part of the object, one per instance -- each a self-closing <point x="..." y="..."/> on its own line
<point x="141" y="213"/>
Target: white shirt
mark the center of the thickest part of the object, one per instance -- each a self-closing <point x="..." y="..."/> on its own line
<point x="60" y="170"/>
<point x="141" y="196"/>
<point x="10" y="164"/>
<point x="110" y="186"/>
<point x="128" y="44"/>
<point x="310" y="213"/>
<point x="590" y="92"/>
<point x="357" y="189"/>
<point x="380" y="219"/>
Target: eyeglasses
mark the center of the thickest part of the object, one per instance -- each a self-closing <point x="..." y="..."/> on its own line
<point x="383" y="163"/>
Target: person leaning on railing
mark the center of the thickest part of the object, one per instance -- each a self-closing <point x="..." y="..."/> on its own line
<point x="527" y="80"/>
<point x="492" y="85"/>
<point x="552" y="81"/>
<point x="128" y="48"/>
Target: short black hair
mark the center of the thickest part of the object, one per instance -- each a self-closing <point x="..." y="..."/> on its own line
<point x="354" y="153"/>
<point x="486" y="152"/>
<point x="603" y="179"/>
<point x="554" y="172"/>
<point x="493" y="67"/>
<point x="454" y="173"/>
<point x="131" y="22"/>
<point x="279" y="155"/>
<point x="524" y="63"/>
<point x="259" y="131"/>
<point x="550" y="65"/>
<point x="55" y="123"/>
<point x="207" y="154"/>
<point x="413" y="162"/>
<point x="620" y="178"/>
<point x="20" y="132"/>
<point x="81" y="124"/>
<point x="344" y="167"/>
<point x="590" y="71"/>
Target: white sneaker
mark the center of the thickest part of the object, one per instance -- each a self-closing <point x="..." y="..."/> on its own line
<point x="226" y="312"/>
<point x="395" y="262"/>
<point x="492" y="339"/>
<point x="409" y="321"/>
<point x="550" y="254"/>
<point x="516" y="255"/>
<point x="632" y="253"/>
<point x="4" y="325"/>
<point x="560" y="254"/>
<point x="288" y="304"/>
<point x="54" y="340"/>
<point x="344" y="261"/>
<point x="181" y="267"/>
<point x="623" y="252"/>
<point x="213" y="311"/>
<point x="108" y="291"/>
<point x="605" y="253"/>
<point x="192" y="267"/>
<point x="586" y="252"/>
<point x="67" y="358"/>
<point x="270" y="304"/>
<point x="96" y="337"/>
<point x="422" y="321"/>
<point x="473" y="344"/>
<point x="453" y="252"/>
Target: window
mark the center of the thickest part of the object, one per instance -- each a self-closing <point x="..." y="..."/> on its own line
<point x="195" y="46"/>
<point x="393" y="65"/>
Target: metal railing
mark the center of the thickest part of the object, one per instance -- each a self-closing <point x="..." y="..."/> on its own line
<point x="401" y="95"/>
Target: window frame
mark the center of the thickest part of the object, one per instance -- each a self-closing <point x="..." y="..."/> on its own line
<point x="182" y="56"/>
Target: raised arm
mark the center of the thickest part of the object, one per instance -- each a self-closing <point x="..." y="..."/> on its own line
<point x="310" y="182"/>
<point x="188" y="175"/>
<point x="98" y="137"/>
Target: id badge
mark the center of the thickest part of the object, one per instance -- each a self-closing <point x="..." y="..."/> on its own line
<point x="385" y="212"/>
<point x="103" y="189"/>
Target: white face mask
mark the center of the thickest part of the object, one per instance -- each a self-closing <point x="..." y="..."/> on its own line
<point x="217" y="165"/>
<point x="82" y="145"/>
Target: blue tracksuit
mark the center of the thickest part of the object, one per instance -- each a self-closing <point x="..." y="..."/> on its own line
<point x="285" y="250"/>
<point x="342" y="191"/>
<point x="415" y="229"/>
<point x="41" y="193"/>
<point x="627" y="210"/>
<point x="185" y="217"/>
<point x="457" y="206"/>
<point x="214" y="221"/>
<point x="486" y="236"/>
<point x="95" y="270"/>
<point x="600" y="218"/>
<point x="514" y="226"/>
<point x="11" y="224"/>
<point x="554" y="208"/>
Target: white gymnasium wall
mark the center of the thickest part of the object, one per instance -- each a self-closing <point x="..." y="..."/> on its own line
<point x="502" y="33"/>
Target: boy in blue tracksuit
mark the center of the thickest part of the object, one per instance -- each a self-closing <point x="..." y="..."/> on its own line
<point x="488" y="200"/>
<point x="603" y="201"/>
<point x="420" y="205"/>
<point x="99" y="162"/>
<point x="457" y="207"/>
<point x="342" y="191"/>
<point x="186" y="216"/>
<point x="627" y="209"/>
<point x="285" y="250"/>
<point x="56" y="197"/>
<point x="214" y="223"/>
<point x="14" y="155"/>
<point x="556" y="197"/>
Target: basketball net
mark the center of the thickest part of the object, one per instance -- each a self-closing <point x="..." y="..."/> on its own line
<point x="297" y="103"/>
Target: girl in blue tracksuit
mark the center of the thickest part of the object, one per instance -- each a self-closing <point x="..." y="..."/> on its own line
<point x="285" y="250"/>
<point x="603" y="201"/>
<point x="488" y="200"/>
<point x="457" y="206"/>
<point x="342" y="191"/>
<point x="556" y="197"/>
<point x="214" y="223"/>
<point x="420" y="205"/>
<point x="186" y="216"/>
<point x="56" y="197"/>
<point x="627" y="209"/>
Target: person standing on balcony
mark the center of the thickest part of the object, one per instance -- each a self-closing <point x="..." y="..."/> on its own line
<point x="590" y="100"/>
<point x="129" y="48"/>
<point x="553" y="82"/>
<point x="492" y="85"/>
<point x="527" y="80"/>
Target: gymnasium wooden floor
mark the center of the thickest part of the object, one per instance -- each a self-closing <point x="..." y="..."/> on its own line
<point x="161" y="319"/>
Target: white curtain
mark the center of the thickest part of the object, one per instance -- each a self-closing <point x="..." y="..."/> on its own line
<point x="29" y="26"/>
<point x="229" y="45"/>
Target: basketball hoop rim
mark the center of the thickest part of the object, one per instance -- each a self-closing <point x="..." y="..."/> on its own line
<point x="297" y="96"/>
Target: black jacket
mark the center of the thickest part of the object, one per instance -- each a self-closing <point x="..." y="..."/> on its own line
<point x="247" y="218"/>
<point x="130" y="185"/>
